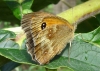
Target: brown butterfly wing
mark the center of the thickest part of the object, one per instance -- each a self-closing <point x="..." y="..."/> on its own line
<point x="49" y="41"/>
<point x="25" y="23"/>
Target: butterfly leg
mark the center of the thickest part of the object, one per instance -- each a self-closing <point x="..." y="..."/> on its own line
<point x="69" y="49"/>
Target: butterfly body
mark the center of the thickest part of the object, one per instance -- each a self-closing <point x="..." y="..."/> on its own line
<point x="47" y="35"/>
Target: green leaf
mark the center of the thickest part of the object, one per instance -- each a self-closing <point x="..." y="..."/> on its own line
<point x="11" y="50"/>
<point x="84" y="57"/>
<point x="4" y="34"/>
<point x="19" y="6"/>
<point x="5" y="41"/>
<point x="17" y="55"/>
<point x="92" y="37"/>
<point x="3" y="61"/>
<point x="84" y="54"/>
<point x="89" y="24"/>
<point x="42" y="4"/>
<point x="9" y="66"/>
<point x="6" y="14"/>
<point x="98" y="18"/>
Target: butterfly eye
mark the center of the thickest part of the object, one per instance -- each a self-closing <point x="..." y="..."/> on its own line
<point x="43" y="25"/>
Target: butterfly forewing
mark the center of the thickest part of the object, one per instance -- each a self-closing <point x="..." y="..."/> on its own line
<point x="44" y="43"/>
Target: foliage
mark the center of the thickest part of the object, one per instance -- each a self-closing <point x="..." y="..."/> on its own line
<point x="84" y="53"/>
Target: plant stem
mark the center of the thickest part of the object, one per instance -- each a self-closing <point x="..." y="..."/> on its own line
<point x="81" y="12"/>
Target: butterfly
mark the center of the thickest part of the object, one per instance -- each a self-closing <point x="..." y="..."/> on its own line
<point x="46" y="34"/>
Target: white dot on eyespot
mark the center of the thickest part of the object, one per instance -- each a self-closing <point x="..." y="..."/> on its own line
<point x="45" y="52"/>
<point x="50" y="30"/>
<point x="49" y="34"/>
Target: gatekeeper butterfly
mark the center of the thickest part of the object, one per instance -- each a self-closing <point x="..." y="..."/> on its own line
<point x="47" y="35"/>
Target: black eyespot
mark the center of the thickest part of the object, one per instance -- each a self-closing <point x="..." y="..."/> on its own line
<point x="43" y="25"/>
